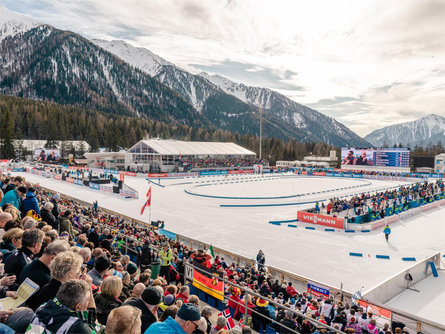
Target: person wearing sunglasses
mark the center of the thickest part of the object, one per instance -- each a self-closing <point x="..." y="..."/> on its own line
<point x="185" y="322"/>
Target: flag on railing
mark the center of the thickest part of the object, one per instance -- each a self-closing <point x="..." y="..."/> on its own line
<point x="230" y="323"/>
<point x="148" y="202"/>
<point x="210" y="252"/>
<point x="241" y="322"/>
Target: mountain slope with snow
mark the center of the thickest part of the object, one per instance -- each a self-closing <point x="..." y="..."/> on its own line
<point x="427" y="129"/>
<point x="234" y="106"/>
<point x="12" y="24"/>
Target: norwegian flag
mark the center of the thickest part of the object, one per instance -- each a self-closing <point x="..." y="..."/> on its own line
<point x="230" y="323"/>
<point x="241" y="323"/>
<point x="148" y="202"/>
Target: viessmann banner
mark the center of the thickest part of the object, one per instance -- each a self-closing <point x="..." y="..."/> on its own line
<point x="313" y="218"/>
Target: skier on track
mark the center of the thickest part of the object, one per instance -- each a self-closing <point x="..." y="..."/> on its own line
<point x="387" y="232"/>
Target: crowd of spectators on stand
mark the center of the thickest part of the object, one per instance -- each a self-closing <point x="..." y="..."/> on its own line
<point x="197" y="163"/>
<point x="94" y="272"/>
<point x="366" y="203"/>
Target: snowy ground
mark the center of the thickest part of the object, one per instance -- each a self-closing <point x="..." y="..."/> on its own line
<point x="316" y="254"/>
<point x="428" y="302"/>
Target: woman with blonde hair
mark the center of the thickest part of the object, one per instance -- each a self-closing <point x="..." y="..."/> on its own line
<point x="108" y="298"/>
<point x="65" y="266"/>
<point x="12" y="240"/>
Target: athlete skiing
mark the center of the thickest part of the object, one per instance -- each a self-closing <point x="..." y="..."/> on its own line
<point x="387" y="232"/>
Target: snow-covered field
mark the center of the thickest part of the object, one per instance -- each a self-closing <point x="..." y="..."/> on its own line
<point x="316" y="254"/>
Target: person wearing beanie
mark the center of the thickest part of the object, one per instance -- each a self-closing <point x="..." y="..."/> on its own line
<point x="14" y="197"/>
<point x="149" y="302"/>
<point x="186" y="322"/>
<point x="30" y="202"/>
<point x="47" y="215"/>
<point x="101" y="266"/>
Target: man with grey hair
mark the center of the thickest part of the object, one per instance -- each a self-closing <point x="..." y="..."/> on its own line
<point x="31" y="244"/>
<point x="38" y="270"/>
<point x="206" y="312"/>
<point x="86" y="254"/>
<point x="287" y="324"/>
<point x="220" y="324"/>
<point x="67" y="312"/>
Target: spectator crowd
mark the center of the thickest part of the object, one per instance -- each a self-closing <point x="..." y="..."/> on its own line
<point x="96" y="272"/>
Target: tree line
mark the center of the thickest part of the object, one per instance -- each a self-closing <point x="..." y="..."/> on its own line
<point x="29" y="119"/>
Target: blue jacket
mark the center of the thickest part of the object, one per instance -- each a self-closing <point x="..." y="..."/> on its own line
<point x="169" y="326"/>
<point x="387" y="230"/>
<point x="12" y="197"/>
<point x="30" y="203"/>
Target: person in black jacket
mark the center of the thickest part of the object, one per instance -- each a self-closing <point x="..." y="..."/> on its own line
<point x="288" y="322"/>
<point x="145" y="256"/>
<point x="261" y="316"/>
<point x="65" y="266"/>
<point x="48" y="217"/>
<point x="107" y="299"/>
<point x="148" y="303"/>
<point x="31" y="244"/>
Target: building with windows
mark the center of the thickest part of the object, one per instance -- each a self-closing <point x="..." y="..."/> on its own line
<point x="158" y="155"/>
<point x="167" y="155"/>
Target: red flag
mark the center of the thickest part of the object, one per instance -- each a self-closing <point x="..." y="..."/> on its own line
<point x="148" y="202"/>
<point x="149" y="192"/>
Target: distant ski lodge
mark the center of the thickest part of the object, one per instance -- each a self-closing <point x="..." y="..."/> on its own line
<point x="156" y="155"/>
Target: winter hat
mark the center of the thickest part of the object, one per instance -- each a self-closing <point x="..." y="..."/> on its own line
<point x="151" y="295"/>
<point x="56" y="196"/>
<point x="48" y="206"/>
<point x="189" y="312"/>
<point x="32" y="190"/>
<point x="102" y="263"/>
<point x="169" y="299"/>
<point x="22" y="189"/>
<point x="131" y="268"/>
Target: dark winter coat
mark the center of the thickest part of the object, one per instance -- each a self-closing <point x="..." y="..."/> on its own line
<point x="147" y="317"/>
<point x="104" y="305"/>
<point x="48" y="217"/>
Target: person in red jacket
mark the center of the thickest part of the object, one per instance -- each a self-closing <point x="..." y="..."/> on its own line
<point x="184" y="294"/>
<point x="291" y="290"/>
<point x="234" y="301"/>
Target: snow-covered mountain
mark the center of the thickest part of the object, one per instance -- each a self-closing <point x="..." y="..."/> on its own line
<point x="316" y="124"/>
<point x="425" y="130"/>
<point x="234" y="106"/>
<point x="12" y="24"/>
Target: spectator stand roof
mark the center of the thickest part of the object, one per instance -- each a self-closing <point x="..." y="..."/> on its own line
<point x="178" y="147"/>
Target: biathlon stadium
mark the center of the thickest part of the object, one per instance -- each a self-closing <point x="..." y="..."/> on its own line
<point x="320" y="228"/>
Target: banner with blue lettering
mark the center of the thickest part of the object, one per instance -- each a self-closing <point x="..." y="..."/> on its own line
<point x="317" y="290"/>
<point x="168" y="234"/>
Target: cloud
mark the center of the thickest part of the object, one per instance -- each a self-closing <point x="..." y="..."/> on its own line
<point x="368" y="63"/>
<point x="251" y="74"/>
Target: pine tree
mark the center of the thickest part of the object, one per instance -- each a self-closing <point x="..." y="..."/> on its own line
<point x="7" y="150"/>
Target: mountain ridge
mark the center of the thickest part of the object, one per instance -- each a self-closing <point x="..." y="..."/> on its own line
<point x="430" y="128"/>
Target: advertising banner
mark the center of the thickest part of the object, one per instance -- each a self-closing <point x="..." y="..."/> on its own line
<point x="69" y="179"/>
<point x="317" y="290"/>
<point x="313" y="218"/>
<point x="156" y="175"/>
<point x="377" y="311"/>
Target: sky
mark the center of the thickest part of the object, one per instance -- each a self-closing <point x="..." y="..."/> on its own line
<point x="368" y="63"/>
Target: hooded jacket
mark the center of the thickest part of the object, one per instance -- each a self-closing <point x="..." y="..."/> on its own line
<point x="52" y="316"/>
<point x="12" y="197"/>
<point x="30" y="203"/>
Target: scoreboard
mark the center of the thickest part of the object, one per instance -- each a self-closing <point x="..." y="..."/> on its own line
<point x="391" y="157"/>
<point x="378" y="157"/>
